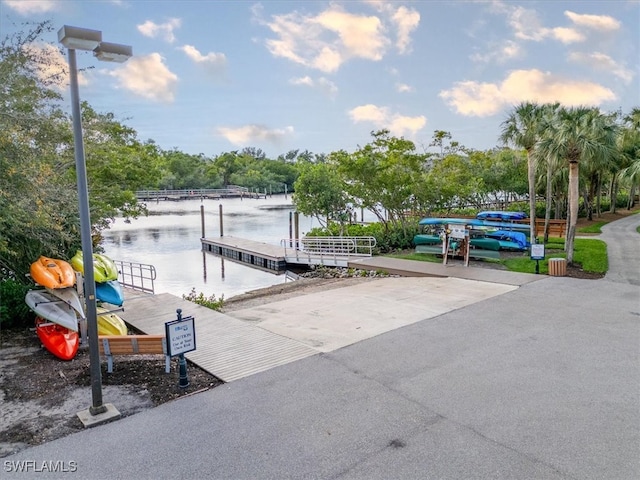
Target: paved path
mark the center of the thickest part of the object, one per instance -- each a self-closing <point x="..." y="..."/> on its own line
<point x="623" y="247"/>
<point x="540" y="382"/>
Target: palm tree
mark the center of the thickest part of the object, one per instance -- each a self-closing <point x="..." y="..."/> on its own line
<point x="522" y="129"/>
<point x="579" y="134"/>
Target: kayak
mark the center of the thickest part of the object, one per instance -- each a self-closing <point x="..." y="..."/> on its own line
<point x="69" y="296"/>
<point x="52" y="273"/>
<point x="110" y="292"/>
<point x="103" y="267"/>
<point x="110" y="323"/>
<point x="52" y="309"/>
<point x="501" y="215"/>
<point x="424" y="239"/>
<point x="60" y="341"/>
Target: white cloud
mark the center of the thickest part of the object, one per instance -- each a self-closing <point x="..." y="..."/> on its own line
<point x="601" y="23"/>
<point x="148" y="77"/>
<point x="24" y="7"/>
<point x="164" y="30"/>
<point x="323" y="84"/>
<point x="325" y="41"/>
<point x="55" y="70"/>
<point x="214" y="62"/>
<point x="403" y="88"/>
<point x="381" y="117"/>
<point x="604" y="62"/>
<point x="567" y="35"/>
<point x="248" y="134"/>
<point x="499" y="53"/>
<point x="484" y="99"/>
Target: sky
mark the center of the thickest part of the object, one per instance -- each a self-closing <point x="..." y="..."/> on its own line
<point x="209" y="77"/>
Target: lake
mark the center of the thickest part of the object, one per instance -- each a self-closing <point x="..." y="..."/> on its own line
<point x="169" y="239"/>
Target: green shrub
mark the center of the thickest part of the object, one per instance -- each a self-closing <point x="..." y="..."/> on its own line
<point x="210" y="302"/>
<point x="14" y="312"/>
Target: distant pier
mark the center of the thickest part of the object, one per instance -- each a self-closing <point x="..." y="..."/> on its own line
<point x="198" y="193"/>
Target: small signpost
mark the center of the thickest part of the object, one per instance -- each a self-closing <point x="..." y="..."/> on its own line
<point x="537" y="254"/>
<point x="181" y="339"/>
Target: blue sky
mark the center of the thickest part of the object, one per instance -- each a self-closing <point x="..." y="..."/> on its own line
<point x="215" y="76"/>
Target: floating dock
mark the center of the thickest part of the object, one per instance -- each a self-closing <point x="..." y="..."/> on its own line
<point x="257" y="254"/>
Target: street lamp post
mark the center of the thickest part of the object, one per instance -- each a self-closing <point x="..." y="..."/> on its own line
<point x="74" y="38"/>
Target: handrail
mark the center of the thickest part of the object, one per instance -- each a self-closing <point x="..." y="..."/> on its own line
<point x="322" y="248"/>
<point x="137" y="276"/>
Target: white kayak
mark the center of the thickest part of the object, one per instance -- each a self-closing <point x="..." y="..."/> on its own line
<point x="52" y="308"/>
<point x="69" y="296"/>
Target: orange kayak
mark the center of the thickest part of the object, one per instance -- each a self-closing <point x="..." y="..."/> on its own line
<point x="53" y="273"/>
<point x="60" y="341"/>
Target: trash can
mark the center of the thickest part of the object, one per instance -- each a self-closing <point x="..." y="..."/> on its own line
<point x="557" y="267"/>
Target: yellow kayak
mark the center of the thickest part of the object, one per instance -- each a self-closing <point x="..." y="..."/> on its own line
<point x="110" y="323"/>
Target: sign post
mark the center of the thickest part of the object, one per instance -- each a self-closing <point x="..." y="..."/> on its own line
<point x="537" y="254"/>
<point x="181" y="338"/>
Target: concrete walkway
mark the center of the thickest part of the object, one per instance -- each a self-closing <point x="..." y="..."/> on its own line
<point x="539" y="382"/>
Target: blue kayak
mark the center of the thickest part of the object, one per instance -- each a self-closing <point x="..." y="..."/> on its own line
<point x="501" y="215"/>
<point x="110" y="292"/>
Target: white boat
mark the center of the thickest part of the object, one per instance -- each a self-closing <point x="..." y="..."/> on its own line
<point x="52" y="308"/>
<point x="70" y="297"/>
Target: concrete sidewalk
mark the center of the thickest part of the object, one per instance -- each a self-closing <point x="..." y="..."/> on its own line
<point x="538" y="382"/>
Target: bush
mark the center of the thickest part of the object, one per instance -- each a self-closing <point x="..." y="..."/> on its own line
<point x="14" y="312"/>
<point x="210" y="302"/>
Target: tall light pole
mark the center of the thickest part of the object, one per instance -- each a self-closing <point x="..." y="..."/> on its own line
<point x="74" y="38"/>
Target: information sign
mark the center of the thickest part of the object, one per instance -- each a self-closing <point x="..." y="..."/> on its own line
<point x="537" y="251"/>
<point x="181" y="336"/>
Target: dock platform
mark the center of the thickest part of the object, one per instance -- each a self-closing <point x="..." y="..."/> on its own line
<point x="226" y="347"/>
<point x="257" y="254"/>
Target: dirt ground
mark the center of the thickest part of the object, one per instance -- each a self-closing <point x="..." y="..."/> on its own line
<point x="41" y="395"/>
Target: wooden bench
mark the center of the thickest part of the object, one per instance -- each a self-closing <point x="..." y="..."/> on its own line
<point x="111" y="345"/>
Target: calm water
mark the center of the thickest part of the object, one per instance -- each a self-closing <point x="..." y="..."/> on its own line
<point x="169" y="239"/>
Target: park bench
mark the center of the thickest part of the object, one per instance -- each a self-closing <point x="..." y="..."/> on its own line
<point x="111" y="345"/>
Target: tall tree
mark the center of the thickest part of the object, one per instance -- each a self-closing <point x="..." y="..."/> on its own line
<point x="522" y="129"/>
<point x="579" y="134"/>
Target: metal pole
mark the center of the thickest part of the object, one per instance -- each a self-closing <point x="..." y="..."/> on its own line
<point x="221" y="226"/>
<point x="87" y="243"/>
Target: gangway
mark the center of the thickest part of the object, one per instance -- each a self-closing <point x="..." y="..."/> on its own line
<point x="329" y="251"/>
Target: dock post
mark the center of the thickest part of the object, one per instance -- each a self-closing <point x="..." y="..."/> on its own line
<point x="221" y="226"/>
<point x="202" y="220"/>
<point x="296" y="217"/>
<point x="290" y="229"/>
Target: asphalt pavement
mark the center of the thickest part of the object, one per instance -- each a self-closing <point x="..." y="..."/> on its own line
<point x="538" y="382"/>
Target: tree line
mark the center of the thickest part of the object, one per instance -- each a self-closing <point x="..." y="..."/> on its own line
<point x="548" y="151"/>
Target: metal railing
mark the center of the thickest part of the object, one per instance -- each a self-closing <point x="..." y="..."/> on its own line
<point x="137" y="276"/>
<point x="231" y="190"/>
<point x="327" y="250"/>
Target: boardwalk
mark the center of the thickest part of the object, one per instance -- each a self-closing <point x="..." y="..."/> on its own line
<point x="226" y="347"/>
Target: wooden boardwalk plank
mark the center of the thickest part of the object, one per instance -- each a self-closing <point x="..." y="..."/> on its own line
<point x="226" y="347"/>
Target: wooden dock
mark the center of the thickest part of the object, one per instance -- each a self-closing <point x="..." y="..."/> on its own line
<point x="226" y="347"/>
<point x="256" y="254"/>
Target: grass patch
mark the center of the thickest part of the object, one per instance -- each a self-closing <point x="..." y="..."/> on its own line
<point x="590" y="253"/>
<point x="593" y="228"/>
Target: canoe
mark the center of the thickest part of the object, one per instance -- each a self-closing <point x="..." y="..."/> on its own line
<point x="110" y="323"/>
<point x="423" y="239"/>
<point x="52" y="309"/>
<point x="60" y="341"/>
<point x="110" y="292"/>
<point x="511" y="240"/>
<point x="52" y="273"/>
<point x="485" y="243"/>
<point x="69" y="296"/>
<point x="103" y="267"/>
<point x="476" y="223"/>
<point x="501" y="215"/>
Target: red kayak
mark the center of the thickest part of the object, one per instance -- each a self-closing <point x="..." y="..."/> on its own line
<point x="60" y="341"/>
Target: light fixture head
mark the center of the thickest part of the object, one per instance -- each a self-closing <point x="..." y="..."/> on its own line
<point x="77" y="38"/>
<point x="113" y="52"/>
